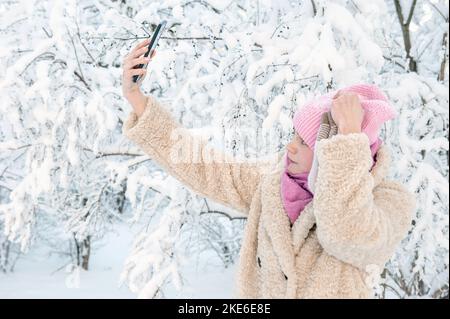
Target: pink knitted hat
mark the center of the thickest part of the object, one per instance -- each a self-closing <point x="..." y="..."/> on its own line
<point x="377" y="110"/>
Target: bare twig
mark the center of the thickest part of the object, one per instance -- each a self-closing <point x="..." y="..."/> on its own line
<point x="395" y="62"/>
<point x="13" y="23"/>
<point x="223" y="214"/>
<point x="47" y="33"/>
<point x="145" y="30"/>
<point x="43" y="55"/>
<point x="203" y="3"/>
<point x="209" y="211"/>
<point x="356" y="7"/>
<point x="81" y="78"/>
<point x="438" y="10"/>
<point x="411" y="12"/>
<point x="79" y="75"/>
<point x="18" y="148"/>
<point x="393" y="290"/>
<point x="101" y="154"/>
<point x="166" y="38"/>
<point x="6" y="187"/>
<point x="140" y="162"/>
<point x="83" y="45"/>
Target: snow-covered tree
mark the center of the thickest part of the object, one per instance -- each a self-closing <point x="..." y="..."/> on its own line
<point x="233" y="71"/>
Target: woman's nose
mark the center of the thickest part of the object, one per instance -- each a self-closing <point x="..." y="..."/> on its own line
<point x="292" y="148"/>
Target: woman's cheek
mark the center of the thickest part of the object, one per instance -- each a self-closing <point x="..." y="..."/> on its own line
<point x="308" y="158"/>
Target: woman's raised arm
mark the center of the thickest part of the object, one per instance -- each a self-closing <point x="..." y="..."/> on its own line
<point x="205" y="170"/>
<point x="357" y="222"/>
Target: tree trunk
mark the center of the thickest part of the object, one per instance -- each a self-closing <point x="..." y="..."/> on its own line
<point x="86" y="253"/>
<point x="405" y="31"/>
<point x="83" y="251"/>
<point x="441" y="76"/>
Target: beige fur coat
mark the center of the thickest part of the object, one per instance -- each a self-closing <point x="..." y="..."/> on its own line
<point x="340" y="242"/>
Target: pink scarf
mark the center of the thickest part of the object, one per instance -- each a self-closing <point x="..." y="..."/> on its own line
<point x="294" y="187"/>
<point x="294" y="191"/>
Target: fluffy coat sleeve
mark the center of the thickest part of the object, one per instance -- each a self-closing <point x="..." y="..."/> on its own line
<point x="205" y="170"/>
<point x="356" y="222"/>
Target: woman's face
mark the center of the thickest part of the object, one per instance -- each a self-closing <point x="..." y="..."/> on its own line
<point x="300" y="156"/>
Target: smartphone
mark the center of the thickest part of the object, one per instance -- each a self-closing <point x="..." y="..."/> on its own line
<point x="151" y="48"/>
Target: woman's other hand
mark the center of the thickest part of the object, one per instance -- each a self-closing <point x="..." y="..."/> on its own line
<point x="131" y="91"/>
<point x="347" y="112"/>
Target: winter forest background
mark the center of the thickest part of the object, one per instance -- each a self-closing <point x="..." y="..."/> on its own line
<point x="84" y="213"/>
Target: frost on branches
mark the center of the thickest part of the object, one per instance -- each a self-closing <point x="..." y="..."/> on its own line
<point x="236" y="69"/>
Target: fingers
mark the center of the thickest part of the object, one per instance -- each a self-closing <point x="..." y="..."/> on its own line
<point x="132" y="72"/>
<point x="128" y="74"/>
<point x="139" y="49"/>
<point x="342" y="94"/>
<point x="132" y="63"/>
<point x="345" y="98"/>
<point x="137" y="53"/>
<point x="141" y="45"/>
<point x="135" y="58"/>
<point x="337" y="95"/>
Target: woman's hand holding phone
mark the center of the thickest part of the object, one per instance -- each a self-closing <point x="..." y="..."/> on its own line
<point x="131" y="90"/>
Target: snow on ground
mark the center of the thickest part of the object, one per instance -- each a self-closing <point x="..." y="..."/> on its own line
<point x="39" y="275"/>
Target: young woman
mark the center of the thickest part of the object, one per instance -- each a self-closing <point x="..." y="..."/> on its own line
<point x="323" y="223"/>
